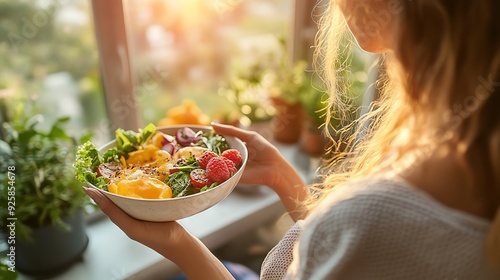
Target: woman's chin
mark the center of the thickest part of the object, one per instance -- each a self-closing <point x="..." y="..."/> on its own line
<point x="373" y="48"/>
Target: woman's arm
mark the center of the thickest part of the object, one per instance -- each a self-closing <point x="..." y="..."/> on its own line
<point x="291" y="189"/>
<point x="266" y="166"/>
<point x="169" y="239"/>
<point x="196" y="260"/>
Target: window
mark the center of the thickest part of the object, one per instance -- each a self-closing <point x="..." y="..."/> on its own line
<point x="170" y="50"/>
<point x="48" y="54"/>
<point x="187" y="49"/>
<point x="165" y="51"/>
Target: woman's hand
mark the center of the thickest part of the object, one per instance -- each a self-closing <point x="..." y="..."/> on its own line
<point x="266" y="166"/>
<point x="264" y="159"/>
<point x="169" y="239"/>
<point x="157" y="236"/>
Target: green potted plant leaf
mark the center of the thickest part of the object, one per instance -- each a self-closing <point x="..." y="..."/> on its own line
<point x="43" y="223"/>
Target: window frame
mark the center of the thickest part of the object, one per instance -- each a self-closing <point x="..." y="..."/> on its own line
<point x="117" y="74"/>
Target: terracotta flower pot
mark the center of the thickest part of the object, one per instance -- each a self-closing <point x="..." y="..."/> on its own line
<point x="312" y="142"/>
<point x="287" y="123"/>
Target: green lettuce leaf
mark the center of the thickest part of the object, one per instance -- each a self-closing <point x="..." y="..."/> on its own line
<point x="128" y="140"/>
<point x="86" y="163"/>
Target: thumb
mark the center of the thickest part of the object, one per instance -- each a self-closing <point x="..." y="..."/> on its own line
<point x="244" y="135"/>
<point x="115" y="214"/>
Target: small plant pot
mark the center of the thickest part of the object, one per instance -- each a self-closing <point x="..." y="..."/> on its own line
<point x="52" y="250"/>
<point x="312" y="142"/>
<point x="287" y="123"/>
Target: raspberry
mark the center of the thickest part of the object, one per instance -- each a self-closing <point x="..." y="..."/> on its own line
<point x="205" y="158"/>
<point x="233" y="155"/>
<point x="217" y="170"/>
<point x="230" y="166"/>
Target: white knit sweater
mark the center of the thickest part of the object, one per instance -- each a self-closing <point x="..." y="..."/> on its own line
<point x="379" y="228"/>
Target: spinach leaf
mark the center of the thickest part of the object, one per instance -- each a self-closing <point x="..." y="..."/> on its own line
<point x="180" y="184"/>
<point x="213" y="141"/>
<point x="206" y="188"/>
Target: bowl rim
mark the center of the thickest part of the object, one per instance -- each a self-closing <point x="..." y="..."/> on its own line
<point x="202" y="127"/>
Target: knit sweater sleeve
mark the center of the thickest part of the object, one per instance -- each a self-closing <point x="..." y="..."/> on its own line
<point x="335" y="238"/>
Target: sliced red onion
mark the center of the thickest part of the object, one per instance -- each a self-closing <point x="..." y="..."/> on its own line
<point x="167" y="139"/>
<point x="185" y="136"/>
<point x="169" y="148"/>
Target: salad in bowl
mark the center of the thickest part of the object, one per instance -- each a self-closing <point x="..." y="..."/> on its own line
<point x="166" y="173"/>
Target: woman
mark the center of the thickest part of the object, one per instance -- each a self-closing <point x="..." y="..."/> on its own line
<point x="417" y="197"/>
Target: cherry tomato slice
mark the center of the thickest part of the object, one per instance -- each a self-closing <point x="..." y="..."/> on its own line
<point x="173" y="169"/>
<point x="199" y="178"/>
<point x="108" y="170"/>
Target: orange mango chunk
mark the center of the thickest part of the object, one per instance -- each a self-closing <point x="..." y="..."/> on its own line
<point x="150" y="188"/>
<point x="142" y="156"/>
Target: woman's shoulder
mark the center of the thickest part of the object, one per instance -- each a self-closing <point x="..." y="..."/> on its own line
<point x="384" y="228"/>
<point x="376" y="201"/>
<point x="388" y="228"/>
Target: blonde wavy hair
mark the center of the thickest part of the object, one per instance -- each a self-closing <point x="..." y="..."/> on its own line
<point x="440" y="86"/>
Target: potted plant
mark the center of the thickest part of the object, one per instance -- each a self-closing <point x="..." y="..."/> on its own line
<point x="285" y="87"/>
<point x="248" y="97"/>
<point x="42" y="219"/>
<point x="248" y="86"/>
<point x="314" y="103"/>
<point x="250" y="101"/>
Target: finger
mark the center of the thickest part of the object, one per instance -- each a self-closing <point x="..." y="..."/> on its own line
<point x="243" y="135"/>
<point x="115" y="214"/>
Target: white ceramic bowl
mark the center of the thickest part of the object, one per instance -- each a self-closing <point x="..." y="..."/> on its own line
<point x="162" y="210"/>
